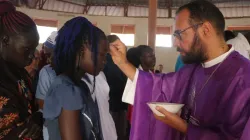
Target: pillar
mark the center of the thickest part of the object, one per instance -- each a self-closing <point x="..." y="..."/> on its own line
<point x="152" y="16"/>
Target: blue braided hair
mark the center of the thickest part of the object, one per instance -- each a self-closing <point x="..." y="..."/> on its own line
<point x="69" y="41"/>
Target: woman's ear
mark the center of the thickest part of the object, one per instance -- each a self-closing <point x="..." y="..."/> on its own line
<point x="5" y="40"/>
<point x="4" y="43"/>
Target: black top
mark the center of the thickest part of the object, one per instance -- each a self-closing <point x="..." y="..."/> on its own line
<point x="116" y="81"/>
<point x="17" y="104"/>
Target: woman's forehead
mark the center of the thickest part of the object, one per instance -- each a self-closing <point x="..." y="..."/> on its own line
<point x="148" y="52"/>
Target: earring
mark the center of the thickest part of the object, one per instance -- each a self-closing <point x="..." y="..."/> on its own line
<point x="6" y="40"/>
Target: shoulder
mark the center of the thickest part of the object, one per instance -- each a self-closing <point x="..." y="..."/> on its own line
<point x="46" y="76"/>
<point x="47" y="70"/>
<point x="63" y="93"/>
<point x="241" y="62"/>
<point x="63" y="83"/>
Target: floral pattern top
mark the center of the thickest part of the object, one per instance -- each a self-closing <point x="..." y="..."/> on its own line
<point x="16" y="101"/>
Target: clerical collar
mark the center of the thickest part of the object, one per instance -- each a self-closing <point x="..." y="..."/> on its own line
<point x="217" y="60"/>
<point x="140" y="68"/>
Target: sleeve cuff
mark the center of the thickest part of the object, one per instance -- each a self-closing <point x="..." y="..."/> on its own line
<point x="129" y="91"/>
<point x="40" y="96"/>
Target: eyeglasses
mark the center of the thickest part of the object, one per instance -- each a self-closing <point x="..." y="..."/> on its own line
<point x="177" y="33"/>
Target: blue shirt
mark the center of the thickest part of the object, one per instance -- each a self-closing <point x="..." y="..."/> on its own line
<point x="179" y="63"/>
<point x="63" y="93"/>
<point x="46" y="77"/>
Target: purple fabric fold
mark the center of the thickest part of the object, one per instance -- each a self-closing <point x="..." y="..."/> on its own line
<point x="222" y="108"/>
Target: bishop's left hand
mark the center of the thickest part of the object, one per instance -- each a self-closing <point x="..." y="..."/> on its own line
<point x="173" y="120"/>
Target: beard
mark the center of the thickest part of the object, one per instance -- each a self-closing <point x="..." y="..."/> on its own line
<point x="196" y="54"/>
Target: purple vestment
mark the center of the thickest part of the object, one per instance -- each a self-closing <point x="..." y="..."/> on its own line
<point x="220" y="111"/>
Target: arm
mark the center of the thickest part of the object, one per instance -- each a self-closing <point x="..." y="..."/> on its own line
<point x="40" y="103"/>
<point x="163" y="85"/>
<point x="118" y="52"/>
<point x="69" y="125"/>
<point x="44" y="82"/>
<point x="235" y="123"/>
<point x="64" y="102"/>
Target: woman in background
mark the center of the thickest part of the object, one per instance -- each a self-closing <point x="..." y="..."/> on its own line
<point x="18" y="41"/>
<point x="46" y="77"/>
<point x="69" y="110"/>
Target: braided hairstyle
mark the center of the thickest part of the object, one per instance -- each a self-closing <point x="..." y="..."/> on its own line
<point x="13" y="22"/>
<point x="18" y="35"/>
<point x="69" y="42"/>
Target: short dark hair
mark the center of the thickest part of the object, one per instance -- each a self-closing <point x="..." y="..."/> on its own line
<point x="143" y="48"/>
<point x="201" y="11"/>
<point x="112" y="38"/>
<point x="228" y="35"/>
<point x="133" y="57"/>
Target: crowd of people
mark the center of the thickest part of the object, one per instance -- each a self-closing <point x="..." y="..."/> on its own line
<point x="84" y="85"/>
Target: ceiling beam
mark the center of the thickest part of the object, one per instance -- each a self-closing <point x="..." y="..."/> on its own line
<point x="169" y="5"/>
<point x="86" y="7"/>
<point x="106" y="10"/>
<point x="125" y="7"/>
<point x="72" y="2"/>
<point x="41" y="4"/>
<point x="126" y="10"/>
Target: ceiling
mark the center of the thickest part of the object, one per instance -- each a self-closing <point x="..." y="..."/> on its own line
<point x="129" y="8"/>
<point x="143" y="3"/>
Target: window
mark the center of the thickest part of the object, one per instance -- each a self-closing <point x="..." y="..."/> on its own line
<point x="44" y="32"/>
<point x="163" y="37"/>
<point x="125" y="32"/>
<point x="45" y="28"/>
<point x="163" y="40"/>
<point x="127" y="39"/>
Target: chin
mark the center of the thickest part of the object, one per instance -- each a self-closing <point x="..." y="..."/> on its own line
<point x="97" y="73"/>
<point x="94" y="74"/>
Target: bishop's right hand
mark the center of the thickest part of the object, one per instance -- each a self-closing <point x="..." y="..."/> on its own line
<point x="118" y="52"/>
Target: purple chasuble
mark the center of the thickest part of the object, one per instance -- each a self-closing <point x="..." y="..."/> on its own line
<point x="220" y="111"/>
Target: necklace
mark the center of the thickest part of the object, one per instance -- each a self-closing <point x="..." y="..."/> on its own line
<point x="193" y="95"/>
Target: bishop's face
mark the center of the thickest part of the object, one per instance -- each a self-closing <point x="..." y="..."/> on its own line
<point x="187" y="39"/>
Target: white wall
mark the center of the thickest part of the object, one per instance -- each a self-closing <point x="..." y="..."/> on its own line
<point x="165" y="56"/>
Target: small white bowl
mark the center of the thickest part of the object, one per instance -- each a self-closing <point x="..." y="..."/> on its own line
<point x="170" y="107"/>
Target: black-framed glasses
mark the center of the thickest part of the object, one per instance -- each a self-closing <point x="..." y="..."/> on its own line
<point x="177" y="33"/>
